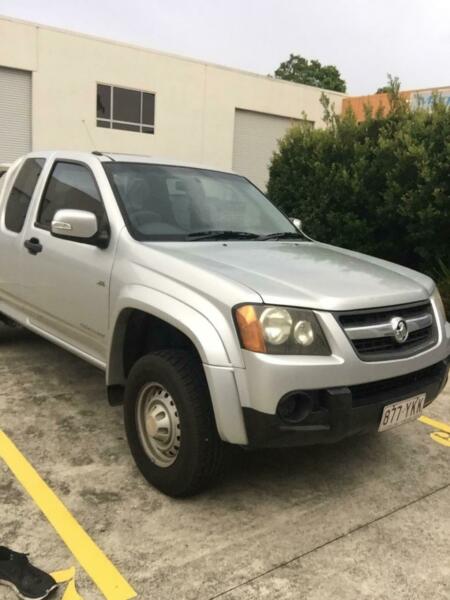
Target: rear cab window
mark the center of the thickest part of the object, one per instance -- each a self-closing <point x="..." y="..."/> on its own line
<point x="21" y="193"/>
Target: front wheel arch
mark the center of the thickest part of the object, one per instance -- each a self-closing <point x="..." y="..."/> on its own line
<point x="173" y="313"/>
<point x="219" y="373"/>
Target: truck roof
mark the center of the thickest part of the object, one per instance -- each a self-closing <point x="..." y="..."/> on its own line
<point x="104" y="156"/>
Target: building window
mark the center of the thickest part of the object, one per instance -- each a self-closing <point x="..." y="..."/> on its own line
<point x="122" y="108"/>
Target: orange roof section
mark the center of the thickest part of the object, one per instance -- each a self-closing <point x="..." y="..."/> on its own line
<point x="375" y="101"/>
<point x="381" y="101"/>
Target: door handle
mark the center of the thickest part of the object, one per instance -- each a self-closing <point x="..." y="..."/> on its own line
<point x="33" y="246"/>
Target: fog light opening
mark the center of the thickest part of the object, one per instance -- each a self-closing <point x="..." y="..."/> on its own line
<point x="295" y="407"/>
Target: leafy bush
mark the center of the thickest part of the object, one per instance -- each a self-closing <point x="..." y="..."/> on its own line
<point x="381" y="186"/>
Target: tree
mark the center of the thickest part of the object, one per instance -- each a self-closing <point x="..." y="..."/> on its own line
<point x="392" y="86"/>
<point x="381" y="186"/>
<point x="311" y="72"/>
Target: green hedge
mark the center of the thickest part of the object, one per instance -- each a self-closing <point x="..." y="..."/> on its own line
<point x="381" y="186"/>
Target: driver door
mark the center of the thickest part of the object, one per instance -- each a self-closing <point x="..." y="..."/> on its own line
<point x="67" y="282"/>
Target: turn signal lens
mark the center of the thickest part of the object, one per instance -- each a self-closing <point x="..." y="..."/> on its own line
<point x="250" y="329"/>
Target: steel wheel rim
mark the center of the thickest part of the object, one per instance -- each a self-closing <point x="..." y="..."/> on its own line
<point x="158" y="424"/>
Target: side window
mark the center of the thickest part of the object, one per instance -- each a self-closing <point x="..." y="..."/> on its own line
<point x="71" y="185"/>
<point x="20" y="196"/>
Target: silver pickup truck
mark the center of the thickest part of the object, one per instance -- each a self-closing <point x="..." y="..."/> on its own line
<point x="214" y="317"/>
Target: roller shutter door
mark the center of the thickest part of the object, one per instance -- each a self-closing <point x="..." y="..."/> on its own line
<point x="255" y="140"/>
<point x="15" y="114"/>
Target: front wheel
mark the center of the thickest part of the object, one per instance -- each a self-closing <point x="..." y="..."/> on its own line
<point x="6" y="327"/>
<point x="170" y="424"/>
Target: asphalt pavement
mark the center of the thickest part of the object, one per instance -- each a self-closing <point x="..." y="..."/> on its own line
<point x="367" y="518"/>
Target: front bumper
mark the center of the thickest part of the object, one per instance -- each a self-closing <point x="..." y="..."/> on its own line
<point x="267" y="377"/>
<point x="343" y="411"/>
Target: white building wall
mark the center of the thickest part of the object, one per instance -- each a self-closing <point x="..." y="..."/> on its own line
<point x="195" y="102"/>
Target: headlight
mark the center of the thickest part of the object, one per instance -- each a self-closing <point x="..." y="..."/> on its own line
<point x="276" y="325"/>
<point x="304" y="333"/>
<point x="280" y="330"/>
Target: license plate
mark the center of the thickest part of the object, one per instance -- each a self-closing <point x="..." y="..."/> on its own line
<point x="401" y="412"/>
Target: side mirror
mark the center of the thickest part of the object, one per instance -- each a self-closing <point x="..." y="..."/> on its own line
<point x="79" y="226"/>
<point x="297" y="223"/>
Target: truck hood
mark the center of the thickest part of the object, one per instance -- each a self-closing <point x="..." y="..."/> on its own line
<point x="305" y="274"/>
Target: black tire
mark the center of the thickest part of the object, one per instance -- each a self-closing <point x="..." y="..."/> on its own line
<point x="200" y="455"/>
<point x="7" y="327"/>
<point x="7" y="323"/>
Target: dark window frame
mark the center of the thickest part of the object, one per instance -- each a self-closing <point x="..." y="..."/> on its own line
<point x="47" y="184"/>
<point x="107" y="107"/>
<point x="119" y="125"/>
<point x="13" y="187"/>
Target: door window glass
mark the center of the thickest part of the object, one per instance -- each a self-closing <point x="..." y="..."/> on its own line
<point x="20" y="196"/>
<point x="73" y="186"/>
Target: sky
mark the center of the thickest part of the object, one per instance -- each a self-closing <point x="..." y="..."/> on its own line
<point x="365" y="39"/>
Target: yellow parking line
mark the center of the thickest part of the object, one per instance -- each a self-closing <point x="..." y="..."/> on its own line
<point x="99" y="568"/>
<point x="71" y="592"/>
<point x="435" y="424"/>
<point x="67" y="576"/>
<point x="63" y="576"/>
<point x="441" y="438"/>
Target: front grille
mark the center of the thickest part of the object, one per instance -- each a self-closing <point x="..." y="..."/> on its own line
<point x="372" y="335"/>
<point x="372" y="316"/>
<point x="367" y="393"/>
<point x="388" y="344"/>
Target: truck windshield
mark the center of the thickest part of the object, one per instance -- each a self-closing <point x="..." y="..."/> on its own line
<point x="167" y="203"/>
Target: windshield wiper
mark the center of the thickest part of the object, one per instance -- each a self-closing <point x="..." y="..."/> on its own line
<point x="222" y="234"/>
<point x="282" y="235"/>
